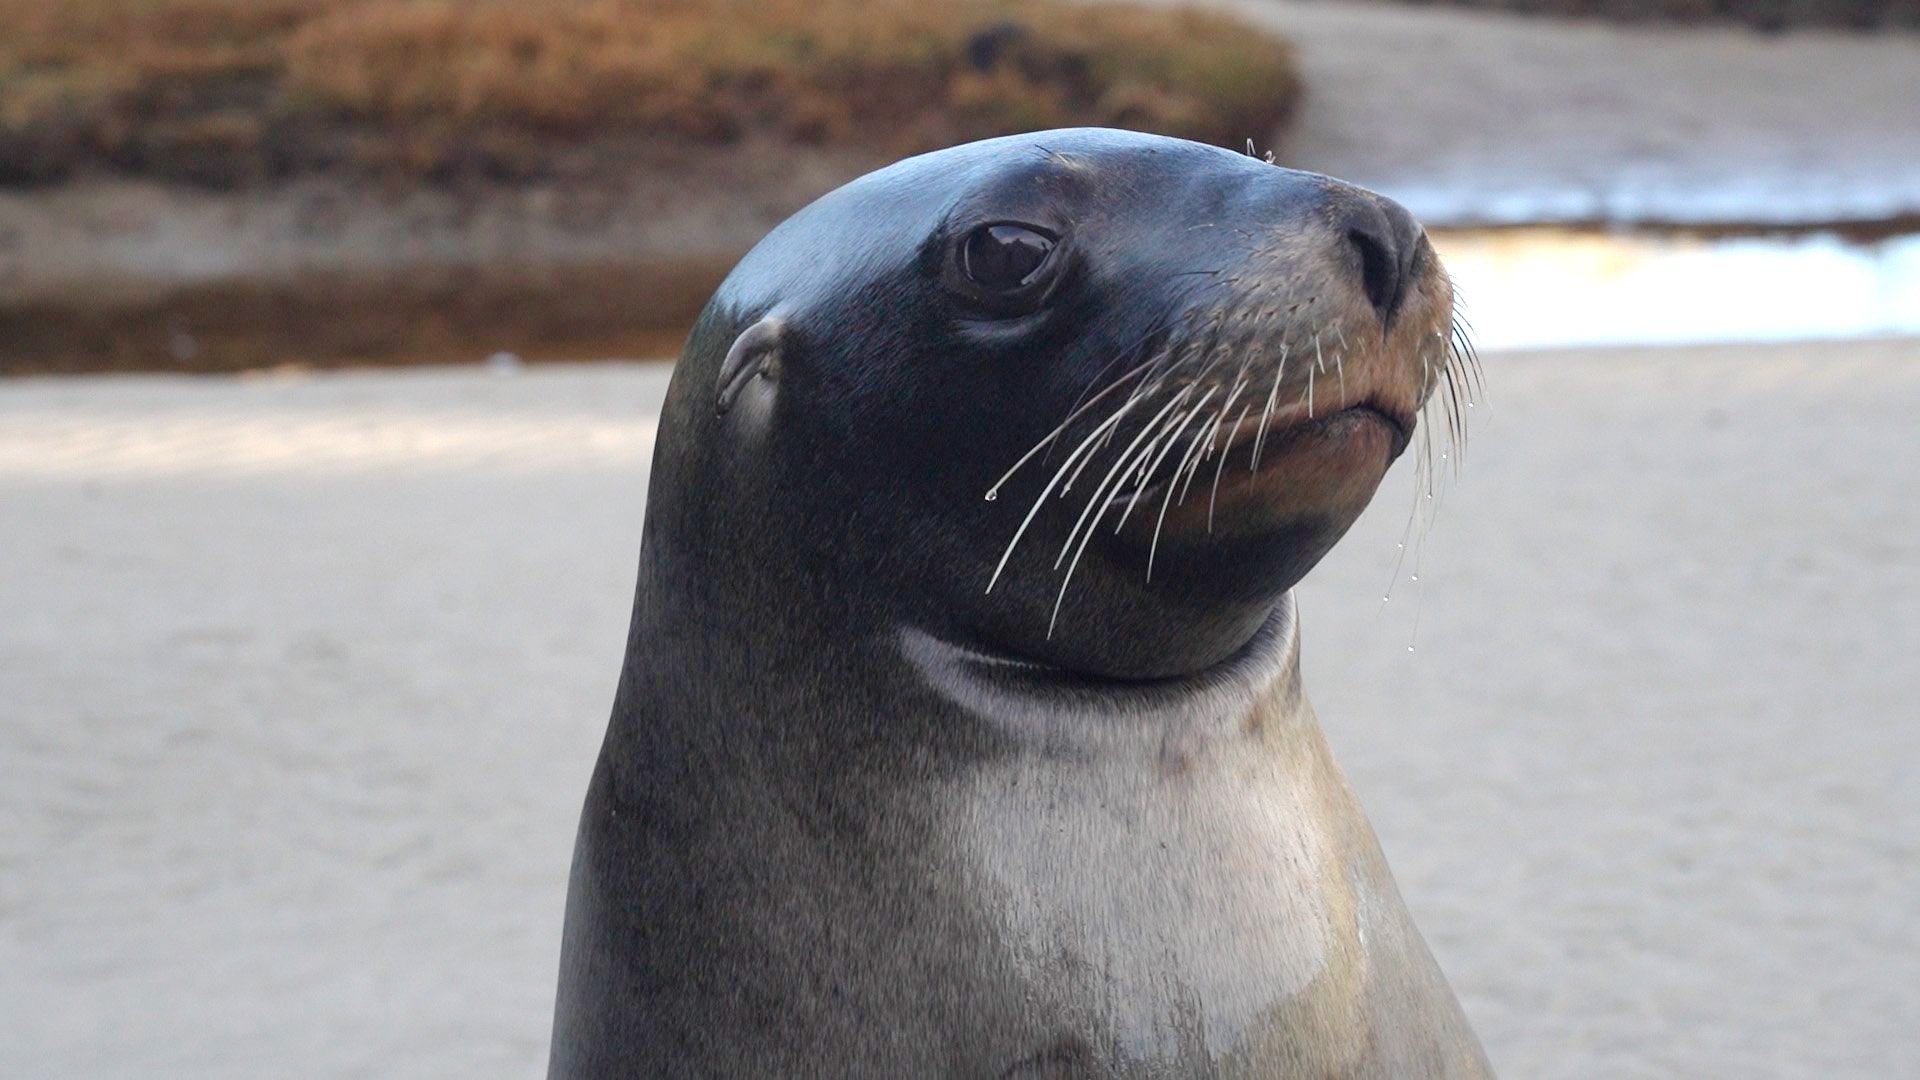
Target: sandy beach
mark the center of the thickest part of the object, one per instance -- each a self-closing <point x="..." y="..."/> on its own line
<point x="301" y="679"/>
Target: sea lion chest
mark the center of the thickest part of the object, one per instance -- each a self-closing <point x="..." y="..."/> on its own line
<point x="1188" y="901"/>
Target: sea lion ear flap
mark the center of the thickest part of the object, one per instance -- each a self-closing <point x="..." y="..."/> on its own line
<point x="755" y="354"/>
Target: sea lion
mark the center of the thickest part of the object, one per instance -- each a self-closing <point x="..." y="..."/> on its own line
<point x="960" y="732"/>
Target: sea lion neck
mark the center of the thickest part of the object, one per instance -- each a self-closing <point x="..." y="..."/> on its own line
<point x="1037" y="704"/>
<point x="813" y="677"/>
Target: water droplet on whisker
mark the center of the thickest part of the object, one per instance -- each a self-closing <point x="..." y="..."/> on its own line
<point x="993" y="494"/>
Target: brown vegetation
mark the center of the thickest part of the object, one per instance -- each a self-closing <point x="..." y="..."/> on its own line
<point x="227" y="92"/>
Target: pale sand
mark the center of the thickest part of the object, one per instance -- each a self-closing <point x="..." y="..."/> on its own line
<point x="300" y="682"/>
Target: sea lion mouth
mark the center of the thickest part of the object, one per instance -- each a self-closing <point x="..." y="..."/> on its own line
<point x="1267" y="446"/>
<point x="1340" y="422"/>
<point x="1400" y="421"/>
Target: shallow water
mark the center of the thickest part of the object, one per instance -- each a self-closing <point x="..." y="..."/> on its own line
<point x="1540" y="288"/>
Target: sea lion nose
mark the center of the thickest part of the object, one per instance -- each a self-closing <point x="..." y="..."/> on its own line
<point x="1389" y="242"/>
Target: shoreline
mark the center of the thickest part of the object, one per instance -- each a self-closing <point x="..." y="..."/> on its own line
<point x="1520" y="287"/>
<point x="1487" y="121"/>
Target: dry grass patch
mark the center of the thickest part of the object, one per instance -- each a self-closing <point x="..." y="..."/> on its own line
<point x="232" y="91"/>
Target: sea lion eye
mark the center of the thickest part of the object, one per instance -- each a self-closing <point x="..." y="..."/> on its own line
<point x="1004" y="257"/>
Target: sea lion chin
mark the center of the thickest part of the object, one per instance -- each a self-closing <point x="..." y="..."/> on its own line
<point x="960" y="731"/>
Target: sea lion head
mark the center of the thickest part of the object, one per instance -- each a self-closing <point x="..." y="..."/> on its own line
<point x="1088" y="399"/>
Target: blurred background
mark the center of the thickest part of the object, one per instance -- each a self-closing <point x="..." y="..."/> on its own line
<point x="333" y="335"/>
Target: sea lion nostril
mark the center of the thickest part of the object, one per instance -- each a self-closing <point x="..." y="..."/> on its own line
<point x="1379" y="272"/>
<point x="1388" y="240"/>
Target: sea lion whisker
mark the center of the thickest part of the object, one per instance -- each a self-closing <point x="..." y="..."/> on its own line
<point x="1106" y="438"/>
<point x="1153" y="548"/>
<point x="1457" y="435"/>
<point x="1041" y="499"/>
<point x="1233" y="395"/>
<point x="1165" y="448"/>
<point x="1427" y="462"/>
<point x="1423" y="480"/>
<point x="1053" y="620"/>
<point x="1189" y="467"/>
<point x="1459" y="416"/>
<point x="1419" y="587"/>
<point x="1166" y="361"/>
<point x="1266" y="415"/>
<point x="1340" y="368"/>
<point x="1232" y="433"/>
<point x="1100" y="498"/>
<point x="1144" y="461"/>
<point x="1167" y="364"/>
<point x="1441" y="397"/>
<point x="1211" y="439"/>
<point x="1053" y="435"/>
<point x="1444" y="400"/>
<point x="1471" y="356"/>
<point x="1461" y="325"/>
<point x="1424" y="459"/>
<point x="1081" y="401"/>
<point x="1199" y="442"/>
<point x="1461" y="345"/>
<point x="1125" y="454"/>
<point x="1074" y="477"/>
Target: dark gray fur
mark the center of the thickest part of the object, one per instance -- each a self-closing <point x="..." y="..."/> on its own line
<point x="857" y="817"/>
